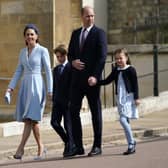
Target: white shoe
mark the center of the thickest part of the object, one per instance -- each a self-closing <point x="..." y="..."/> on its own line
<point x="42" y="156"/>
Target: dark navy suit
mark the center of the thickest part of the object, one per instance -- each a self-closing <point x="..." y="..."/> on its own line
<point x="61" y="88"/>
<point x="93" y="54"/>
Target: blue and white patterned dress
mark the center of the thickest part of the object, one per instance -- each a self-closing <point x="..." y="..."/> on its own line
<point x="125" y="101"/>
<point x="32" y="93"/>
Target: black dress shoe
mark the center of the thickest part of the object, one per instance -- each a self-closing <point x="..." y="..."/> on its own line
<point x="80" y="151"/>
<point x="66" y="148"/>
<point x="74" y="151"/>
<point x="95" y="151"/>
<point x="71" y="151"/>
<point x="130" y="150"/>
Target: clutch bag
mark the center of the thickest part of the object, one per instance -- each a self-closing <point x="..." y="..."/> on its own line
<point x="7" y="97"/>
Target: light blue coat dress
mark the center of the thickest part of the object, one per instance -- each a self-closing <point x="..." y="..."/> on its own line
<point x="125" y="101"/>
<point x="32" y="93"/>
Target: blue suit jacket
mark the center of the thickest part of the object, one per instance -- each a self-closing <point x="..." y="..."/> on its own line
<point x="61" y="84"/>
<point x="93" y="54"/>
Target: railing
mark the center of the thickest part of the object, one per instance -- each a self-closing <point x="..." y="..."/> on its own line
<point x="155" y="72"/>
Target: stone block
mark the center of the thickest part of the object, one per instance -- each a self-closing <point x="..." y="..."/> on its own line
<point x="11" y="128"/>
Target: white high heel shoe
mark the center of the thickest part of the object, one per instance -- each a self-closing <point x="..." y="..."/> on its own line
<point x="42" y="156"/>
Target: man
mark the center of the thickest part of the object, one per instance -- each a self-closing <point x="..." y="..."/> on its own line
<point x="61" y="89"/>
<point x="87" y="53"/>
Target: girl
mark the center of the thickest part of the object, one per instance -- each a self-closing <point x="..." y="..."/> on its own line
<point x="126" y="82"/>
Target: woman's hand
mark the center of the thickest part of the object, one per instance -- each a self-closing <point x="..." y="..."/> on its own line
<point x="9" y="90"/>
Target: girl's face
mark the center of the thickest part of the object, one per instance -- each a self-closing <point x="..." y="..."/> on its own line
<point x="121" y="59"/>
<point x="31" y="37"/>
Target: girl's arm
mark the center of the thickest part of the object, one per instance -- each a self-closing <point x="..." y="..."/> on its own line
<point x="109" y="78"/>
<point x="135" y="83"/>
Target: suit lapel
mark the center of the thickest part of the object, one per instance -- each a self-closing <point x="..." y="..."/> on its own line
<point x="78" y="38"/>
<point x="89" y="36"/>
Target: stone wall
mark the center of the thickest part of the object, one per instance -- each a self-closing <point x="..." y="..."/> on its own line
<point x="65" y="20"/>
<point x="135" y="22"/>
<point x="14" y="15"/>
<point x="55" y="20"/>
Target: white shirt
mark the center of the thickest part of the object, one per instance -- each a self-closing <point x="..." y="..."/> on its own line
<point x="66" y="61"/>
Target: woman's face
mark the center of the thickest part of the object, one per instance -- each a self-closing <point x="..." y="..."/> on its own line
<point x="121" y="59"/>
<point x="31" y="37"/>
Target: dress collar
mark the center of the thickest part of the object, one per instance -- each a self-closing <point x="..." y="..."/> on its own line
<point x="120" y="69"/>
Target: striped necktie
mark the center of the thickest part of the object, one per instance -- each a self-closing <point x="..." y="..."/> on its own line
<point x="82" y="39"/>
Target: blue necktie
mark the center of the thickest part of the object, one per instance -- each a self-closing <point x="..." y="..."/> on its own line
<point x="60" y="69"/>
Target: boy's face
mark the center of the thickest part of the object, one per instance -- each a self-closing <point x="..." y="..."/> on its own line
<point x="61" y="58"/>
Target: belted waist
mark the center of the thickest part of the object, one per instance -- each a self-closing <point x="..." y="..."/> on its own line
<point x="32" y="73"/>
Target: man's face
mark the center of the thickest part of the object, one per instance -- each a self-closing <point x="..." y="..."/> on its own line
<point x="88" y="17"/>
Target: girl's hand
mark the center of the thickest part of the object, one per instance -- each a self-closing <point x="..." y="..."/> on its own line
<point x="137" y="102"/>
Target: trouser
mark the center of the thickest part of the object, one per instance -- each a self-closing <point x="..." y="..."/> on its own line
<point x="60" y="111"/>
<point x="127" y="129"/>
<point x="93" y="96"/>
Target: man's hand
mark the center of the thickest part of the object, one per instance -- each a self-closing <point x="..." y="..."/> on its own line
<point x="78" y="64"/>
<point x="92" y="81"/>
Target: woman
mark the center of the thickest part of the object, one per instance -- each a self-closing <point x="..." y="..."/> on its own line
<point x="31" y="98"/>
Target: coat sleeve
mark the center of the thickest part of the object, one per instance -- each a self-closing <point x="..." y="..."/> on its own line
<point x="71" y="48"/>
<point x="110" y="78"/>
<point x="54" y="82"/>
<point x="17" y="75"/>
<point x="135" y="86"/>
<point x="101" y="54"/>
<point x="48" y="71"/>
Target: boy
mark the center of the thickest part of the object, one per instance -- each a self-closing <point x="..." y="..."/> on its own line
<point x="61" y="87"/>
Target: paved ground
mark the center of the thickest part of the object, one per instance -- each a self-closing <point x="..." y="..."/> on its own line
<point x="152" y="153"/>
<point x="151" y="125"/>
